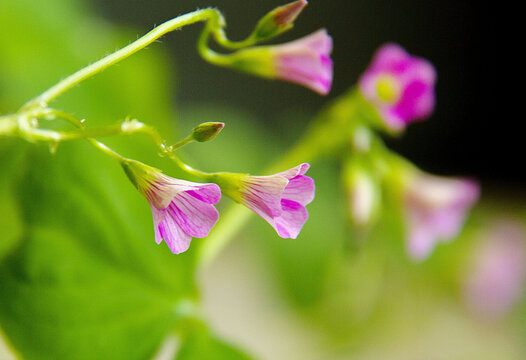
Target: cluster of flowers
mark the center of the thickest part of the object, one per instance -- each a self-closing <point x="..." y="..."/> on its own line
<point x="401" y="89"/>
<point x="399" y="86"/>
<point x="182" y="209"/>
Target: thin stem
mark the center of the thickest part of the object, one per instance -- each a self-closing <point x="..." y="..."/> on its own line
<point x="52" y="93"/>
<point x="106" y="150"/>
<point x="187" y="168"/>
<point x="207" y="53"/>
<point x="183" y="142"/>
<point x="53" y="114"/>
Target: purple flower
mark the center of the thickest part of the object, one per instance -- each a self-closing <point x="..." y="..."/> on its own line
<point x="181" y="209"/>
<point x="280" y="199"/>
<point x="306" y="61"/>
<point x="400" y="86"/>
<point x="435" y="210"/>
<point x="496" y="278"/>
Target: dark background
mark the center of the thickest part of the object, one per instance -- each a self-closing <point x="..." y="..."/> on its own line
<point x="454" y="35"/>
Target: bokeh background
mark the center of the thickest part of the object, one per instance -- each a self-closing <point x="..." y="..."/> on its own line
<point x="330" y="294"/>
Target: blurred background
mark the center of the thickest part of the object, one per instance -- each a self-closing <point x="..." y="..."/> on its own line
<point x="330" y="294"/>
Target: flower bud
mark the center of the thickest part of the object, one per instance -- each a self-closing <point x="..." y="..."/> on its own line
<point x="207" y="131"/>
<point x="363" y="194"/>
<point x="278" y="20"/>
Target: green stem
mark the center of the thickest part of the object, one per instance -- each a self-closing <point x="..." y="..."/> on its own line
<point x="7" y="126"/>
<point x="200" y="15"/>
<point x="183" y="142"/>
<point x="102" y="147"/>
<point x="53" y="114"/>
<point x="187" y="168"/>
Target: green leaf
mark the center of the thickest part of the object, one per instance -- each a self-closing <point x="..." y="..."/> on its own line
<point x="87" y="280"/>
<point x="204" y="346"/>
<point x="10" y="221"/>
<point x="80" y="274"/>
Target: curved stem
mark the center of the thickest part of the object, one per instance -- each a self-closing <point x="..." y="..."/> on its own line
<point x="200" y="15"/>
<point x="102" y="147"/>
<point x="52" y="114"/>
<point x="187" y="168"/>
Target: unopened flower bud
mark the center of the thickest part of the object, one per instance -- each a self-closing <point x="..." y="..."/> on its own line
<point x="207" y="131"/>
<point x="278" y="20"/>
<point x="363" y="194"/>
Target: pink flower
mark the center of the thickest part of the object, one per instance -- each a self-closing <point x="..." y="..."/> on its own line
<point x="435" y="210"/>
<point x="181" y="209"/>
<point x="400" y="86"/>
<point x="496" y="278"/>
<point x="280" y="199"/>
<point x="306" y="61"/>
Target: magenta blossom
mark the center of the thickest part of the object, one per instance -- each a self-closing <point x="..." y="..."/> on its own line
<point x="435" y="210"/>
<point x="306" y="61"/>
<point x="497" y="276"/>
<point x="400" y="86"/>
<point x="280" y="199"/>
<point x="181" y="209"/>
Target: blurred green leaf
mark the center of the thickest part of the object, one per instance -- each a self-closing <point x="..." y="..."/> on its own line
<point x="10" y="221"/>
<point x="80" y="274"/>
<point x="87" y="280"/>
<point x="204" y="346"/>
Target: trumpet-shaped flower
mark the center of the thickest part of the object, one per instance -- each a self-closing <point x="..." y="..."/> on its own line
<point x="305" y="61"/>
<point x="436" y="208"/>
<point x="280" y="199"/>
<point x="400" y="86"/>
<point x="181" y="209"/>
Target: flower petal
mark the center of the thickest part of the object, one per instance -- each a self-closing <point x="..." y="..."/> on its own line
<point x="263" y="194"/>
<point x="193" y="216"/>
<point x="295" y="171"/>
<point x="292" y="219"/>
<point x="158" y="217"/>
<point x="300" y="189"/>
<point x="421" y="242"/>
<point x="177" y="240"/>
<point x="208" y="193"/>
